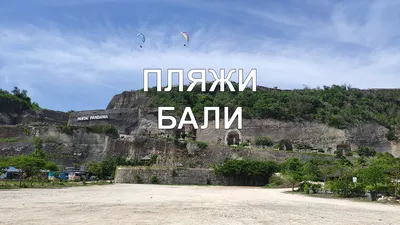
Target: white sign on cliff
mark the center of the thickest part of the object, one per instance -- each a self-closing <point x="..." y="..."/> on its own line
<point x="97" y="117"/>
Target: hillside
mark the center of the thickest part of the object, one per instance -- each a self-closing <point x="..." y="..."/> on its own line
<point x="292" y="116"/>
<point x="336" y="106"/>
<point x="16" y="107"/>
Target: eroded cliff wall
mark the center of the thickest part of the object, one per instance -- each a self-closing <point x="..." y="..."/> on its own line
<point x="132" y="114"/>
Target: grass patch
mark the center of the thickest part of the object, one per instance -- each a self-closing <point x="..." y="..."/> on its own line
<point x="8" y="140"/>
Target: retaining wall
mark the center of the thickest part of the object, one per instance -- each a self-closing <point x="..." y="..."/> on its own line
<point x="186" y="176"/>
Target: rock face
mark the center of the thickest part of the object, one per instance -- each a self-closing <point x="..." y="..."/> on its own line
<point x="131" y="114"/>
<point x="315" y="135"/>
<point x="15" y="116"/>
<point x="82" y="147"/>
<point x="129" y="100"/>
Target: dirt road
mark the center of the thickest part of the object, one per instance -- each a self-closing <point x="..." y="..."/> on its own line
<point x="161" y="204"/>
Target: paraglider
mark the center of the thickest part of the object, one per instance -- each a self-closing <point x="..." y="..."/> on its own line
<point x="186" y="36"/>
<point x="142" y="38"/>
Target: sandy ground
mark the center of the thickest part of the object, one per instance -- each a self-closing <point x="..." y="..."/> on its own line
<point x="161" y="204"/>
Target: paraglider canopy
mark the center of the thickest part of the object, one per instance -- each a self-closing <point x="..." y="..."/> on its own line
<point x="142" y="38"/>
<point x="186" y="36"/>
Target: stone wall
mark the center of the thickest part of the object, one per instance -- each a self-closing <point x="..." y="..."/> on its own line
<point x="186" y="176"/>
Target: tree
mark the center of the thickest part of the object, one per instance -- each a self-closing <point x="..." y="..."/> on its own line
<point x="394" y="172"/>
<point x="310" y="171"/>
<point x="4" y="164"/>
<point x="391" y="165"/>
<point x="28" y="165"/>
<point x="373" y="174"/>
<point x="38" y="152"/>
<point x="366" y="151"/>
<point x="23" y="95"/>
<point x="94" y="168"/>
<point x="292" y="168"/>
<point x="326" y="169"/>
<point x="108" y="167"/>
<point x="343" y="168"/>
<point x="292" y="177"/>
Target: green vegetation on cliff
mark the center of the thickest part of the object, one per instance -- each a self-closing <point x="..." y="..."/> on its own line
<point x="17" y="96"/>
<point x="337" y="106"/>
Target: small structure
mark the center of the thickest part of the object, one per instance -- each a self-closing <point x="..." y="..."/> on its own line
<point x="52" y="175"/>
<point x="146" y="158"/>
<point x="11" y="173"/>
<point x="44" y="174"/>
<point x="72" y="173"/>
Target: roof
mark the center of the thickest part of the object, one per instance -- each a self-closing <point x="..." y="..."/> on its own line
<point x="146" y="158"/>
<point x="12" y="169"/>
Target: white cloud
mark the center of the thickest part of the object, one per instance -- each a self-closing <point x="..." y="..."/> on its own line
<point x="321" y="53"/>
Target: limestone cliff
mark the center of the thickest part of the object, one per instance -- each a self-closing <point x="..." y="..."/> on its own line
<point x="132" y="114"/>
<point x="14" y="112"/>
<point x="136" y="121"/>
<point x="82" y="147"/>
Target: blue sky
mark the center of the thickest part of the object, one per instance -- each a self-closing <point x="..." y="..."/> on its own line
<point x="77" y="54"/>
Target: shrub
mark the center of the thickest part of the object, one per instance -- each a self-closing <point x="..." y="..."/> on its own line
<point x="263" y="141"/>
<point x="154" y="180"/>
<point x="247" y="170"/>
<point x="338" y="154"/>
<point x="275" y="180"/>
<point x="138" y="179"/>
<point x="345" y="188"/>
<point x="9" y="140"/>
<point x="202" y="145"/>
<point x="244" y="144"/>
<point x="391" y="135"/>
<point x="309" y="188"/>
<point x="366" y="151"/>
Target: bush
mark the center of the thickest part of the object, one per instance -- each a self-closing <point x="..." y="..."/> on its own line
<point x="202" y="145"/>
<point x="154" y="180"/>
<point x="275" y="181"/>
<point x="366" y="151"/>
<point x="247" y="170"/>
<point x="263" y="141"/>
<point x="309" y="188"/>
<point x="9" y="140"/>
<point x="338" y="154"/>
<point x="345" y="188"/>
<point x="391" y="135"/>
<point x="244" y="144"/>
<point x="138" y="179"/>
